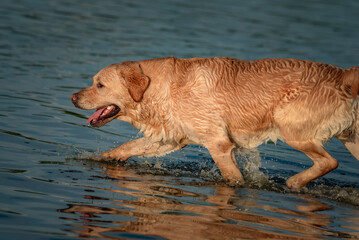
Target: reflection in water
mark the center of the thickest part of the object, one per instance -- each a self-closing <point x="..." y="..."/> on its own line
<point x="175" y="213"/>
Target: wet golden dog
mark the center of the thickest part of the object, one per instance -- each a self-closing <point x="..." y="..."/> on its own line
<point x="224" y="103"/>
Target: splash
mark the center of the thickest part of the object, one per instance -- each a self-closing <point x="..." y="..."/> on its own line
<point x="257" y="177"/>
<point x="85" y="155"/>
<point x="251" y="165"/>
<point x="347" y="195"/>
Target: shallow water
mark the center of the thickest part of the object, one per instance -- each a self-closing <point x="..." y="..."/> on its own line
<point x="50" y="190"/>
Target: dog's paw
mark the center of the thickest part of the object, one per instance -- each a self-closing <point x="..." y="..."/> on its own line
<point x="100" y="158"/>
<point x="294" y="183"/>
<point x="237" y="181"/>
<point x="109" y="156"/>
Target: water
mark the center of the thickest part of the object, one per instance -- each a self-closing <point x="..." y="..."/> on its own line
<point x="50" y="190"/>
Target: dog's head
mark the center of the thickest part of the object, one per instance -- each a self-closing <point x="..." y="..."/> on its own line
<point x="114" y="88"/>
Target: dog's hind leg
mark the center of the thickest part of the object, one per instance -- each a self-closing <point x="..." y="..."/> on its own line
<point x="350" y="137"/>
<point x="323" y="163"/>
<point x="353" y="147"/>
<point x="351" y="140"/>
<point x="351" y="143"/>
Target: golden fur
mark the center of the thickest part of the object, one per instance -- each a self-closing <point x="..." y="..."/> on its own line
<point x="224" y="103"/>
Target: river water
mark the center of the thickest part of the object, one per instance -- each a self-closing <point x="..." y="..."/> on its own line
<point x="49" y="189"/>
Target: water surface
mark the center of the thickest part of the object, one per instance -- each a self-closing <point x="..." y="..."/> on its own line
<point x="50" y="190"/>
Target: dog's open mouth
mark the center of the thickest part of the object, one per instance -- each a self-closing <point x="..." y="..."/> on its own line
<point x="103" y="115"/>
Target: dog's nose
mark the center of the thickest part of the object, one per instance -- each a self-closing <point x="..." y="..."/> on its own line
<point x="74" y="97"/>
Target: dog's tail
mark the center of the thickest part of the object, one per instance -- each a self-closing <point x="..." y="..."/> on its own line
<point x="351" y="80"/>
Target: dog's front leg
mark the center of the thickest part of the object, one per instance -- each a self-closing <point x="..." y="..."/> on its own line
<point x="140" y="147"/>
<point x="223" y="155"/>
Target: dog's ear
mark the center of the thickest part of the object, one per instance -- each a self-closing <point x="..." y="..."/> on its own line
<point x="137" y="82"/>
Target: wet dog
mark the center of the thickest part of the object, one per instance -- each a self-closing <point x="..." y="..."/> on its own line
<point x="224" y="103"/>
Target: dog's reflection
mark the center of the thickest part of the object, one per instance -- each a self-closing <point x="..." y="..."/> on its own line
<point x="161" y="210"/>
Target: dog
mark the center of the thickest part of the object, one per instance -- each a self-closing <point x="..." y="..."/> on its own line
<point x="224" y="103"/>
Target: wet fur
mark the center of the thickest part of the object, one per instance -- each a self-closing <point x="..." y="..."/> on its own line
<point x="224" y="103"/>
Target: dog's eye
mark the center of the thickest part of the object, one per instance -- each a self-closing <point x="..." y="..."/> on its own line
<point x="100" y="85"/>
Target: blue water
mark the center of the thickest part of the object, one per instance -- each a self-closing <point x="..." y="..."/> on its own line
<point x="50" y="190"/>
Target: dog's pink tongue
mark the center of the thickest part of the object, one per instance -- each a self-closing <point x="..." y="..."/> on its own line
<point x="96" y="115"/>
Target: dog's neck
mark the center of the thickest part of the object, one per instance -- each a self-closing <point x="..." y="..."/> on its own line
<point x="153" y="115"/>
